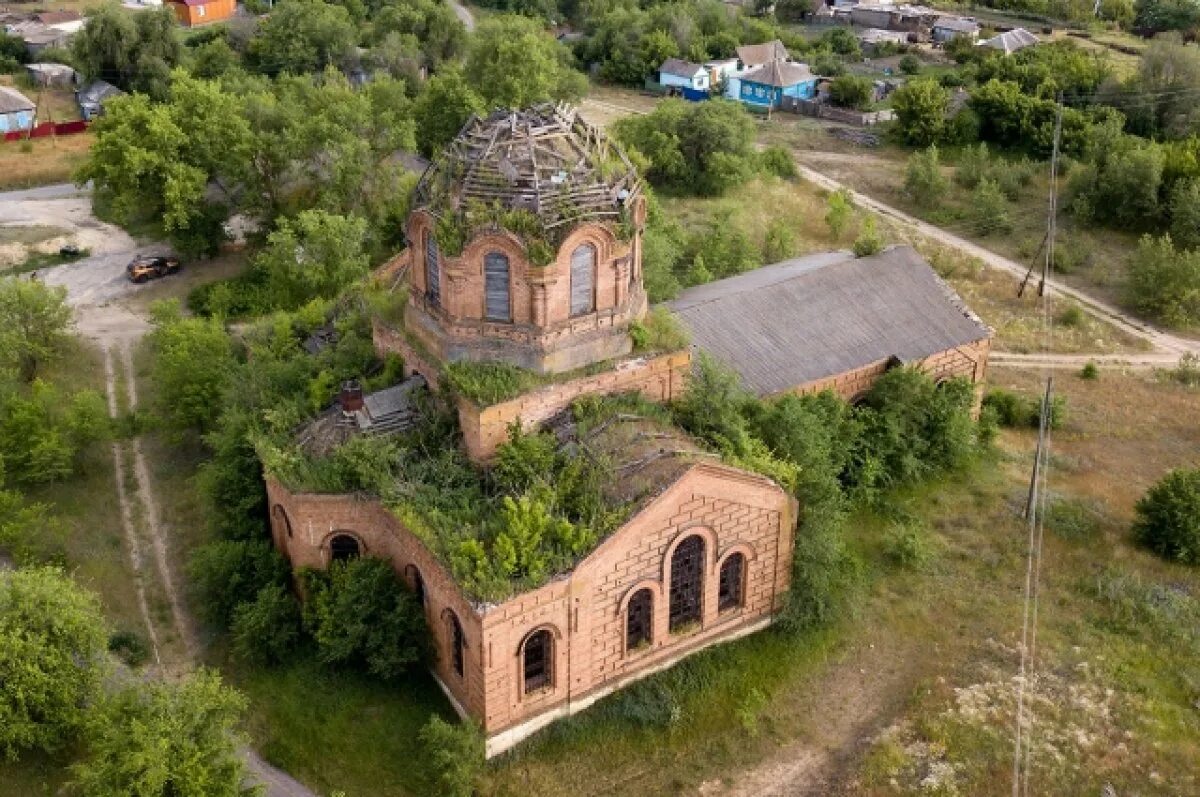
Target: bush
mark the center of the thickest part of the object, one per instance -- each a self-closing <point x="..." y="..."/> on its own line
<point x="838" y="206"/>
<point x="1187" y="373"/>
<point x="974" y="165"/>
<point x="266" y="630"/>
<point x="193" y="364"/>
<point x="851" y="91"/>
<point x="1017" y="411"/>
<point x="989" y="208"/>
<point x="1168" y="517"/>
<point x="660" y="331"/>
<point x="360" y="614"/>
<point x="454" y="753"/>
<point x="910" y="64"/>
<point x="778" y="161"/>
<point x="1164" y="282"/>
<point x="489" y="382"/>
<point x="129" y="647"/>
<point x="1089" y="371"/>
<point x="228" y="573"/>
<point x="1071" y="316"/>
<point x="923" y="178"/>
<point x="779" y="242"/>
<point x="909" y="546"/>
<point x="868" y="241"/>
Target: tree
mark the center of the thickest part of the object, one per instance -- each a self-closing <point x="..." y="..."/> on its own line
<point x="839" y="206"/>
<point x="52" y="638"/>
<point x="455" y="756"/>
<point x="360" y="614"/>
<point x="910" y="64"/>
<point x="42" y="431"/>
<point x="514" y="63"/>
<point x="974" y="164"/>
<point x="868" y="241"/>
<point x="134" y="52"/>
<point x="1168" y="517"/>
<point x="303" y="36"/>
<point x="1164" y="282"/>
<point x="433" y="24"/>
<point x="1159" y="15"/>
<point x="193" y="365"/>
<point x="851" y="91"/>
<point x="316" y="254"/>
<point x="703" y="148"/>
<point x="230" y="573"/>
<point x="157" y="738"/>
<point x="442" y="108"/>
<point x="35" y="324"/>
<point x="1185" y="213"/>
<point x="920" y="106"/>
<point x="923" y="178"/>
<point x="989" y="208"/>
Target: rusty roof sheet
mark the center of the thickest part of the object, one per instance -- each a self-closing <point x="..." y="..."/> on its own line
<point x="812" y="317"/>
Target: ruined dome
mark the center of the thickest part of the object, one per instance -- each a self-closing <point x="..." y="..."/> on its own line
<point x="544" y="160"/>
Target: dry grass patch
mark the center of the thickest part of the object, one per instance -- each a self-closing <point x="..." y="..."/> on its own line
<point x="42" y="161"/>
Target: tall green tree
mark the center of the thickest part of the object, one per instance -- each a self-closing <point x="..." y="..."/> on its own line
<point x="442" y="108"/>
<point x="316" y="254"/>
<point x="133" y="51"/>
<point x="156" y="738"/>
<point x="920" y="107"/>
<point x="923" y="179"/>
<point x="193" y="366"/>
<point x="52" y="642"/>
<point x="35" y="324"/>
<point x="303" y="36"/>
<point x="513" y="63"/>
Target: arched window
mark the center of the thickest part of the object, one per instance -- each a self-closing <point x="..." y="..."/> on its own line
<point x="342" y="547"/>
<point x="638" y="619"/>
<point x="458" y="642"/>
<point x="282" y="517"/>
<point x="495" y="287"/>
<point x="687" y="583"/>
<point x="536" y="660"/>
<point x="583" y="280"/>
<point x="433" y="282"/>
<point x="729" y="587"/>
<point x="418" y="583"/>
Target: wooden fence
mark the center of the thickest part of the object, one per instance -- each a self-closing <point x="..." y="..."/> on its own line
<point x="823" y="110"/>
<point x="47" y="129"/>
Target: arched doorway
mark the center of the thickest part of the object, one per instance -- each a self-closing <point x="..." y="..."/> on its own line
<point x="343" y="547"/>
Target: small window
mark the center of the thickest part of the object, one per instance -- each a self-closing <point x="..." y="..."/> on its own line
<point x="638" y="619"/>
<point x="343" y="547"/>
<point x="729" y="587"/>
<point x="495" y="289"/>
<point x="282" y="518"/>
<point x="199" y="11"/>
<point x="433" y="285"/>
<point x="583" y="280"/>
<point x="687" y="583"/>
<point x="458" y="643"/>
<point x="537" y="665"/>
<point x="418" y="583"/>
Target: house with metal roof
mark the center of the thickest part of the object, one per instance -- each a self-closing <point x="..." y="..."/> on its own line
<point x="51" y="74"/>
<point x="834" y="321"/>
<point x="675" y="73"/>
<point x="93" y="97"/>
<point x="1011" y="41"/>
<point x="751" y="56"/>
<point x="16" y="110"/>
<point x="946" y="28"/>
<point x="765" y="87"/>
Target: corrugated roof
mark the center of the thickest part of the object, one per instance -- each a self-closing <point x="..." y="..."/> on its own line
<point x="780" y="74"/>
<point x="961" y="24"/>
<point x="12" y="101"/>
<point x="751" y="54"/>
<point x="805" y="319"/>
<point x="680" y="68"/>
<point x="1011" y="41"/>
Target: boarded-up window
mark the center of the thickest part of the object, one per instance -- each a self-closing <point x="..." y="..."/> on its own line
<point x="583" y="280"/>
<point x="495" y="278"/>
<point x="457" y="642"/>
<point x="729" y="587"/>
<point x="637" y="621"/>
<point x="433" y="281"/>
<point x="687" y="583"/>
<point x="537" y="664"/>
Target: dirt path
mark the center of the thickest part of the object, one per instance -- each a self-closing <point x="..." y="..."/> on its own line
<point x="464" y="14"/>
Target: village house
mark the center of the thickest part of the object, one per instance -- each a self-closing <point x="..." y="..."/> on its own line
<point x="752" y="56"/>
<point x="192" y="13"/>
<point x="1010" y="41"/>
<point x="16" y="110"/>
<point x="93" y="97"/>
<point x="58" y="75"/>
<point x="765" y="87"/>
<point x="684" y="77"/>
<point x="526" y="240"/>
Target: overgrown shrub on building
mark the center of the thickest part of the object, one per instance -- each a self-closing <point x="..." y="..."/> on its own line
<point x="1168" y="517"/>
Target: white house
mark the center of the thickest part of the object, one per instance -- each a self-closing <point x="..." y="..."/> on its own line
<point x="677" y="73"/>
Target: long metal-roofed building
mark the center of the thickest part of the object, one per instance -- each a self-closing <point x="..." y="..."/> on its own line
<point x="833" y="321"/>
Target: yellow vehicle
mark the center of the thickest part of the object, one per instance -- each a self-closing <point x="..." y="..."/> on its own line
<point x="149" y="267"/>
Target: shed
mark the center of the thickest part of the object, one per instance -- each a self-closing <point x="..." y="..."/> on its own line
<point x="677" y="73"/>
<point x="796" y="325"/>
<point x="191" y="13"/>
<point x="51" y="74"/>
<point x="947" y="28"/>
<point x="766" y="86"/>
<point x="1011" y="41"/>
<point x="93" y="97"/>
<point x="16" y="110"/>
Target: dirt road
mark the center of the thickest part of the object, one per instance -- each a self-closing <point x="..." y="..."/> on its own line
<point x="95" y="287"/>
<point x="464" y="14"/>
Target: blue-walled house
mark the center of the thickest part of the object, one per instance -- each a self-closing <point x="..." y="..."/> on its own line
<point x="766" y="86"/>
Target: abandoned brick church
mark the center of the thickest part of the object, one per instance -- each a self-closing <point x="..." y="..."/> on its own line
<point x="526" y="249"/>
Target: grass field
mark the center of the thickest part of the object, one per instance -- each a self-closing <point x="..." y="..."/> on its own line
<point x="42" y="161"/>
